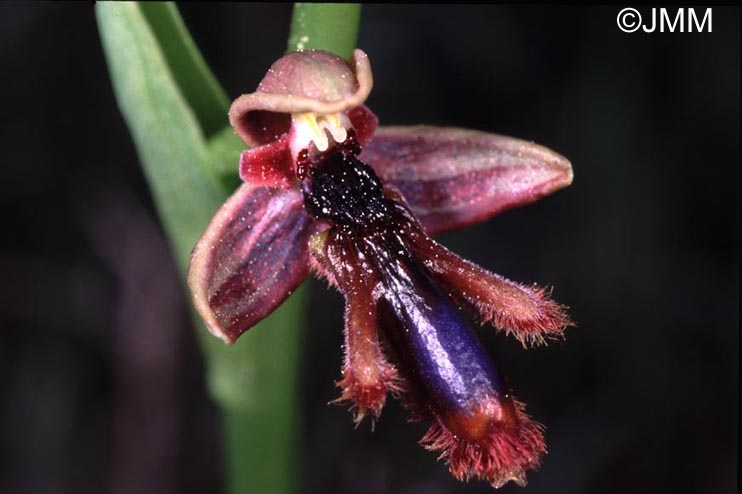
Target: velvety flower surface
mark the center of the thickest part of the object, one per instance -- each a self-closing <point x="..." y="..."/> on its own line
<point x="324" y="189"/>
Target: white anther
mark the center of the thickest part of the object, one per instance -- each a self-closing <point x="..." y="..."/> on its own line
<point x="313" y="128"/>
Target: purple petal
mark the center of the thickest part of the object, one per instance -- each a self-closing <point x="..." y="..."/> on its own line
<point x="269" y="164"/>
<point x="453" y="177"/>
<point x="251" y="257"/>
<point x="364" y="122"/>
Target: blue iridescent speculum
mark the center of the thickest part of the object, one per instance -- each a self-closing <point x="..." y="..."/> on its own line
<point x="325" y="189"/>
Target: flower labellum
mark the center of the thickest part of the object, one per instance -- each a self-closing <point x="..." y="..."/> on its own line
<point x="325" y="189"/>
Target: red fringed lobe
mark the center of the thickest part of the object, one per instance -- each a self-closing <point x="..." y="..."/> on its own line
<point x="496" y="443"/>
<point x="526" y="312"/>
<point x="367" y="398"/>
<point x="367" y="374"/>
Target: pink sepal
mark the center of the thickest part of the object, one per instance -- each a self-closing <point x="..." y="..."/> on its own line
<point x="251" y="257"/>
<point x="452" y="178"/>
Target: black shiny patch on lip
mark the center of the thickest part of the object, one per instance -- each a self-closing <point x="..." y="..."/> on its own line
<point x="342" y="190"/>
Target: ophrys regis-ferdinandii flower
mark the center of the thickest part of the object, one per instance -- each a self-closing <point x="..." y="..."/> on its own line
<point x="324" y="188"/>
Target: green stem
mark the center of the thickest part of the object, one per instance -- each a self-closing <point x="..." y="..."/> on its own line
<point x="261" y="428"/>
<point x="325" y="26"/>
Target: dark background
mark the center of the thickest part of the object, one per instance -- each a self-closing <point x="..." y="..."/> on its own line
<point x="101" y="380"/>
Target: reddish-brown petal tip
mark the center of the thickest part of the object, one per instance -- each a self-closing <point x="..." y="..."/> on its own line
<point x="525" y="312"/>
<point x="366" y="389"/>
<point x="532" y="317"/>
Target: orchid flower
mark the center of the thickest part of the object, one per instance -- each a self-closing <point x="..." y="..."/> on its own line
<point x="325" y="190"/>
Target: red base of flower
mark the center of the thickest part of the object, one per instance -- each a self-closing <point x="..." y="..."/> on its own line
<point x="496" y="447"/>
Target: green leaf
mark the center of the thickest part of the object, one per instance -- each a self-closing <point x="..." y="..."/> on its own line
<point x="195" y="81"/>
<point x="168" y="138"/>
